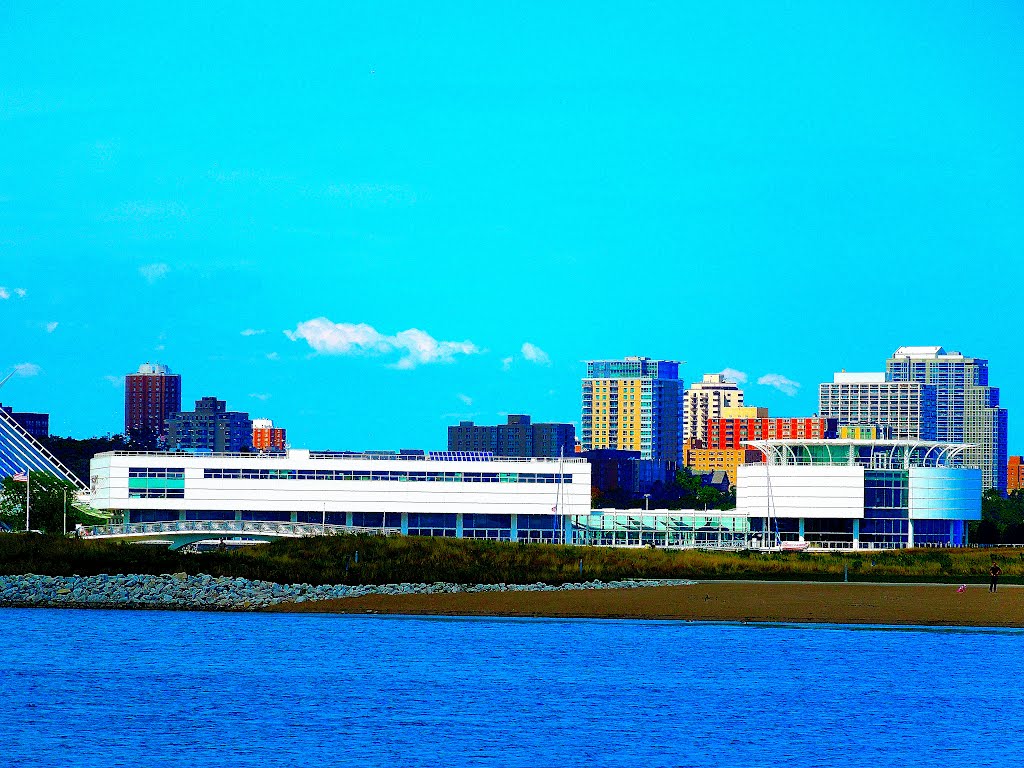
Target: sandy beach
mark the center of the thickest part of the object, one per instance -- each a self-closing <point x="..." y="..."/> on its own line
<point x="918" y="604"/>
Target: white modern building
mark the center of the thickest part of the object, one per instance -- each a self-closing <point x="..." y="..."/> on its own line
<point x="439" y="494"/>
<point x="859" y="493"/>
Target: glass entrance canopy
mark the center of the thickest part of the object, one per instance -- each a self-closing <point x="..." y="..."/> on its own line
<point x="871" y="454"/>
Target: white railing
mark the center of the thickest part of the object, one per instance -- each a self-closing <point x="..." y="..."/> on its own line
<point x="227" y="528"/>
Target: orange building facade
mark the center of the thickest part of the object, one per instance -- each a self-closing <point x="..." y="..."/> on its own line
<point x="266" y="437"/>
<point x="1015" y="474"/>
<point x="725" y="459"/>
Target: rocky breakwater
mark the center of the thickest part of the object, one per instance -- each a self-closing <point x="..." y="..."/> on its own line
<point x="180" y="591"/>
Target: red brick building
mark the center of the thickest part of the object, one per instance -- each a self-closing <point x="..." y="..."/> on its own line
<point x="265" y="437"/>
<point x="1015" y="474"/>
<point x="734" y="433"/>
<point x="150" y="396"/>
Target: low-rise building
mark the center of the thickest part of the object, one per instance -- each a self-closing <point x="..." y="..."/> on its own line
<point x="210" y="427"/>
<point x="875" y="494"/>
<point x="440" y="494"/>
<point x="626" y="472"/>
<point x="518" y="437"/>
<point x="704" y="460"/>
<point x="736" y="432"/>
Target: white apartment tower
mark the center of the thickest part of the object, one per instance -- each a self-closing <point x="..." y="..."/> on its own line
<point x="900" y="410"/>
<point x="705" y="400"/>
<point x="966" y="408"/>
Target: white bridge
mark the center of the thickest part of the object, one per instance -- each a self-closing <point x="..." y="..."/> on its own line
<point x="179" y="533"/>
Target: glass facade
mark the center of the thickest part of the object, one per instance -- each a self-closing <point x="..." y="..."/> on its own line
<point x="156" y="483"/>
<point x="662" y="529"/>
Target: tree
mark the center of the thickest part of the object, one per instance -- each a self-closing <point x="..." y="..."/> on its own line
<point x="75" y="454"/>
<point x="48" y="497"/>
<point x="1002" y="519"/>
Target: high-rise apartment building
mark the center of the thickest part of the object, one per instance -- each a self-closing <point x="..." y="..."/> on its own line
<point x="634" y="404"/>
<point x="518" y="437"/>
<point x="966" y="407"/>
<point x="210" y="427"/>
<point x="150" y="396"/>
<point x="266" y="437"/>
<point x="705" y="400"/>
<point x="901" y="410"/>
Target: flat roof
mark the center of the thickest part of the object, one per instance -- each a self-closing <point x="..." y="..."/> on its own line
<point x="295" y="454"/>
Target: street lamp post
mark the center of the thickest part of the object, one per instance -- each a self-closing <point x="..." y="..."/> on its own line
<point x="647" y="502"/>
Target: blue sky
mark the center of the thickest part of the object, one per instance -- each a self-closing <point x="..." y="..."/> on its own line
<point x="351" y="218"/>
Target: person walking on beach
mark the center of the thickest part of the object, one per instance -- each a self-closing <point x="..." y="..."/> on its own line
<point x="994" y="573"/>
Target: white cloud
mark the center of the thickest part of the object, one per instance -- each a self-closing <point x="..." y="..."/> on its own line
<point x="140" y="210"/>
<point x="535" y="354"/>
<point x="731" y="374"/>
<point x="52" y="326"/>
<point x="259" y="395"/>
<point x="388" y="194"/>
<point x="506" y="363"/>
<point x="273" y="356"/>
<point x="417" y="347"/>
<point x="115" y="381"/>
<point x="780" y="382"/>
<point x="21" y="293"/>
<point x="465" y="398"/>
<point x="154" y="272"/>
<point x="27" y="369"/>
<point x="5" y="293"/>
<point x="253" y="332"/>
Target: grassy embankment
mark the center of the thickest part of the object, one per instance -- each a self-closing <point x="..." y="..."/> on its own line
<point x="332" y="560"/>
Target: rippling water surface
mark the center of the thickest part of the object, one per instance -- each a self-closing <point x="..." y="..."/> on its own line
<point x="113" y="688"/>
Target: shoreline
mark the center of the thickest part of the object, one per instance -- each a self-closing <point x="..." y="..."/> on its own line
<point x="750" y="602"/>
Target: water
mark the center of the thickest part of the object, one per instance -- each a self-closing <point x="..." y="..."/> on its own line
<point x="123" y="688"/>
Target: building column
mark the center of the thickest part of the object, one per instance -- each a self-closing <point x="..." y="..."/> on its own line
<point x="458" y="525"/>
<point x="856" y="533"/>
<point x="801" y="529"/>
<point x="348" y="519"/>
<point x="405" y="523"/>
<point x="514" y="532"/>
<point x="294" y="517"/>
<point x="910" y="532"/>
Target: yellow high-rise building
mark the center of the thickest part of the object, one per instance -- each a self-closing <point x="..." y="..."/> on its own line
<point x="634" y="404"/>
